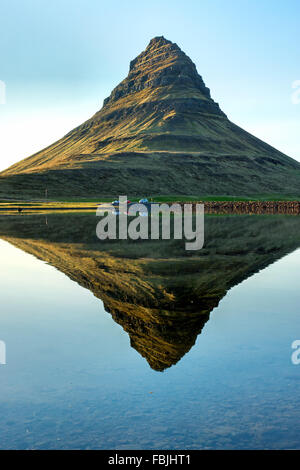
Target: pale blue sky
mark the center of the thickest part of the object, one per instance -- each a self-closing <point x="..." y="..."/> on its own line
<point x="60" y="59"/>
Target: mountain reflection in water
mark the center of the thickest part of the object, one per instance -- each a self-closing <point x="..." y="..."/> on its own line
<point x="159" y="293"/>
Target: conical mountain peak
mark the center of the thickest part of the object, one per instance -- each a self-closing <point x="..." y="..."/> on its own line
<point x="162" y="44"/>
<point x="162" y="64"/>
<point x="158" y="41"/>
<point x="159" y="49"/>
<point x="159" y="132"/>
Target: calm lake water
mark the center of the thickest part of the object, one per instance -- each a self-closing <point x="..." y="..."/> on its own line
<point x="141" y="345"/>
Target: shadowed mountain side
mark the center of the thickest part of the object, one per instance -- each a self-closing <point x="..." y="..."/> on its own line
<point x="159" y="293"/>
<point x="159" y="132"/>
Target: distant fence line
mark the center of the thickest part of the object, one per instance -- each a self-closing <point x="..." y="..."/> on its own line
<point x="251" y="207"/>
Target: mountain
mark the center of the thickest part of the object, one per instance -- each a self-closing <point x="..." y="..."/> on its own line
<point x="159" y="132"/>
<point x="161" y="295"/>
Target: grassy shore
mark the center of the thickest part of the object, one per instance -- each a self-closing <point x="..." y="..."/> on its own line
<point x="92" y="203"/>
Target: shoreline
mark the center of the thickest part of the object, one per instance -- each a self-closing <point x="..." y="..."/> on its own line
<point x="210" y="207"/>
